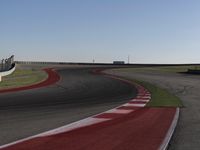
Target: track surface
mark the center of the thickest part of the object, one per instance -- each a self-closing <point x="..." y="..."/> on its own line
<point x="142" y="130"/>
<point x="77" y="95"/>
<point x="130" y="126"/>
<point x="187" y="87"/>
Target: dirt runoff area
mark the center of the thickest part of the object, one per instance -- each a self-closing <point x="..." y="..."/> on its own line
<point x="187" y="88"/>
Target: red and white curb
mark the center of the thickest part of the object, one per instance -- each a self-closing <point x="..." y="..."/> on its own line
<point x="142" y="98"/>
<point x="140" y="101"/>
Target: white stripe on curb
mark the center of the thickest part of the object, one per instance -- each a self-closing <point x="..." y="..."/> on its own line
<point x="73" y="126"/>
<point x="119" y="111"/>
<point x="134" y="105"/>
<point x="170" y="132"/>
<point x="60" y="129"/>
<point x="139" y="100"/>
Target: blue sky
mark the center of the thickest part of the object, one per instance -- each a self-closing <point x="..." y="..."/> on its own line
<point x="150" y="31"/>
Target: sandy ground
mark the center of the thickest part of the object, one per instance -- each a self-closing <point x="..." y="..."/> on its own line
<point x="187" y="88"/>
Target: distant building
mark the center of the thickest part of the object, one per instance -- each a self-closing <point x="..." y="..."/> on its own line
<point x="118" y="62"/>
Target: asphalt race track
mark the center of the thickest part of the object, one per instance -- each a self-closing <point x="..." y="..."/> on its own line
<point x="77" y="95"/>
<point x="187" y="87"/>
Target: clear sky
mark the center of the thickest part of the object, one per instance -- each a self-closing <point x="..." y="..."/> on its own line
<point x="150" y="31"/>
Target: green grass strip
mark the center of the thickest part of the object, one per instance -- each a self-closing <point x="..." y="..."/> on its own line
<point x="169" y="69"/>
<point x="159" y="96"/>
<point x="23" y="77"/>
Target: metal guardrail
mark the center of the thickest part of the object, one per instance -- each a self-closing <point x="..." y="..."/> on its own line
<point x="7" y="64"/>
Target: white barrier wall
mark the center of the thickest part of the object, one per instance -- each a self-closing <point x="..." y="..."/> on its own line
<point x="5" y="73"/>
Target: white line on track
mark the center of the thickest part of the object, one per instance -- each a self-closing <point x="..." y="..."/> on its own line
<point x="170" y="132"/>
<point x="119" y="111"/>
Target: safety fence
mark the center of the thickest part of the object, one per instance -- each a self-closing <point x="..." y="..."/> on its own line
<point x="7" y="64"/>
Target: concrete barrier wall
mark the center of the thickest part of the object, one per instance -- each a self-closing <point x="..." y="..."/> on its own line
<point x="108" y="64"/>
<point x="5" y="73"/>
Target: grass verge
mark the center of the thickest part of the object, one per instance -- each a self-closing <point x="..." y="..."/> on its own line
<point x="23" y="77"/>
<point x="159" y="97"/>
<point x="169" y="69"/>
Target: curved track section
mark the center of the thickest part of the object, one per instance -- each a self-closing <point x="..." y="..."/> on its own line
<point x="77" y="95"/>
<point x="129" y="126"/>
<point x="187" y="88"/>
<point x="53" y="77"/>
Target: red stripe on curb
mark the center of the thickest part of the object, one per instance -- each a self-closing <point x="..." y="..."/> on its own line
<point x="141" y="98"/>
<point x="109" y="115"/>
<point x="137" y="102"/>
<point x="128" y="107"/>
<point x="144" y="129"/>
<point x="53" y="77"/>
